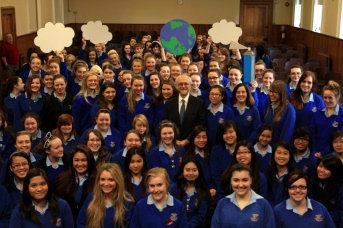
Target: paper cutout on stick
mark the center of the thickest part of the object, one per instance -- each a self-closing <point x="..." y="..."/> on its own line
<point x="54" y="37"/>
<point x="177" y="36"/>
<point x="96" y="32"/>
<point x="224" y="32"/>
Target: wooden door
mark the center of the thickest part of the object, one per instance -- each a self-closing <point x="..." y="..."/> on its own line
<point x="8" y="21"/>
<point x="256" y="21"/>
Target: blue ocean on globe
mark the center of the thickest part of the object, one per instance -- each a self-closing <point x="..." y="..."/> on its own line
<point x="177" y="36"/>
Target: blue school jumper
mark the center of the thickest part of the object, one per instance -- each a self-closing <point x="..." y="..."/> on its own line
<point x="113" y="140"/>
<point x="5" y="207"/>
<point x="144" y="106"/>
<point x="147" y="215"/>
<point x="108" y="220"/>
<point x="73" y="86"/>
<point x="159" y="113"/>
<point x="305" y="115"/>
<point x="214" y="120"/>
<point x="276" y="190"/>
<point x="263" y="161"/>
<point x="137" y="188"/>
<point x="205" y="97"/>
<point x="119" y="158"/>
<point x="22" y="107"/>
<point x="69" y="145"/>
<point x="257" y="213"/>
<point x="248" y="122"/>
<point x="322" y="128"/>
<point x="262" y="102"/>
<point x="195" y="213"/>
<point x="283" y="128"/>
<point x="28" y="73"/>
<point x="113" y="115"/>
<point x="205" y="165"/>
<point x="289" y="89"/>
<point x="65" y="219"/>
<point x="316" y="215"/>
<point x="307" y="163"/>
<point x="220" y="159"/>
<point x="158" y="157"/>
<point x="6" y="145"/>
<point x="37" y="138"/>
<point x="10" y="103"/>
<point x="81" y="112"/>
<point x="15" y="195"/>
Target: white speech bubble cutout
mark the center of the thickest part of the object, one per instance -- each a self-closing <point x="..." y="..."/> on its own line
<point x="96" y="32"/>
<point x="236" y="45"/>
<point x="224" y="32"/>
<point x="54" y="37"/>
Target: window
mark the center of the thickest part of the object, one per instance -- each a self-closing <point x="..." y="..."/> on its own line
<point x="297" y="14"/>
<point x="317" y="16"/>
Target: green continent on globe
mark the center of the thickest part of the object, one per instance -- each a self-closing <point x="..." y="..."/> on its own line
<point x="173" y="44"/>
<point x="175" y="24"/>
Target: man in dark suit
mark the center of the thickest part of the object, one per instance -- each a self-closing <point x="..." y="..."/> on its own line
<point x="185" y="110"/>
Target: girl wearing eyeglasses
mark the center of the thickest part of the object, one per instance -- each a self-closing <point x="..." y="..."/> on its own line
<point x="96" y="143"/>
<point x="303" y="156"/>
<point x="328" y="187"/>
<point x="243" y="207"/>
<point x="244" y="154"/>
<point x="281" y="164"/>
<point x="299" y="210"/>
<point x="55" y="161"/>
<point x="17" y="168"/>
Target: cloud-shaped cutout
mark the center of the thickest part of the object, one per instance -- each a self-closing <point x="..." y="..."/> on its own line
<point x="224" y="32"/>
<point x="54" y="37"/>
<point x="96" y="32"/>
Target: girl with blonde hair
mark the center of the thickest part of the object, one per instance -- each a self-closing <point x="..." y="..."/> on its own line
<point x="84" y="101"/>
<point x="109" y="205"/>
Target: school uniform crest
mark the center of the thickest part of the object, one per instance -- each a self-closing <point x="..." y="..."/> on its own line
<point x="173" y="217"/>
<point x="318" y="218"/>
<point x="113" y="144"/>
<point x="314" y="109"/>
<point x="220" y="120"/>
<point x="58" y="222"/>
<point x="305" y="169"/>
<point x="249" y="118"/>
<point x="255" y="217"/>
<point x="147" y="106"/>
<point x="335" y="124"/>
